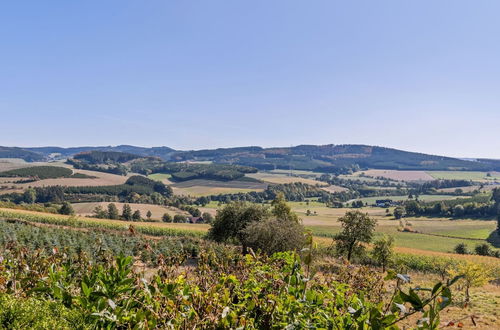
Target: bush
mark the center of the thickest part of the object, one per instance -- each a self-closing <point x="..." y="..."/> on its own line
<point x="461" y="249"/>
<point x="66" y="209"/>
<point x="483" y="249"/>
<point x="29" y="313"/>
<point x="166" y="217"/>
<point x="179" y="218"/>
<point x="274" y="235"/>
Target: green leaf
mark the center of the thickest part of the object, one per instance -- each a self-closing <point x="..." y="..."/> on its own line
<point x="436" y="288"/>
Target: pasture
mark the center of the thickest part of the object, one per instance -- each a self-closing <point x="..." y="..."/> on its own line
<point x="86" y="209"/>
<point x="162" y="177"/>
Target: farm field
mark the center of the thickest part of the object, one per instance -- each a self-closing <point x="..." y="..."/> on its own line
<point x="93" y="178"/>
<point x="201" y="187"/>
<point x="162" y="177"/>
<point x="464" y="175"/>
<point x="334" y="189"/>
<point x="325" y="225"/>
<point x="323" y="222"/>
<point x="356" y="177"/>
<point x="398" y="175"/>
<point x="7" y="164"/>
<point x="86" y="209"/>
<point x="467" y="189"/>
<point x="124" y="225"/>
<point x="281" y="178"/>
<point x="424" y="198"/>
<point x="100" y="179"/>
<point x="305" y="174"/>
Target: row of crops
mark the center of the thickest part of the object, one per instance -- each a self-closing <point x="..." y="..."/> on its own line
<point x="95" y="244"/>
<point x="71" y="221"/>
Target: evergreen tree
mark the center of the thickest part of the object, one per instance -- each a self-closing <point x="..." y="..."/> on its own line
<point x="113" y="211"/>
<point x="136" y="216"/>
<point x="127" y="212"/>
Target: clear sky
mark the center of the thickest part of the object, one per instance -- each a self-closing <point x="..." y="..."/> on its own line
<point x="415" y="75"/>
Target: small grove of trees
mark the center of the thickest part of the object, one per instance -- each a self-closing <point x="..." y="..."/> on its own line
<point x="111" y="212"/>
<point x="258" y="227"/>
<point x="357" y="227"/>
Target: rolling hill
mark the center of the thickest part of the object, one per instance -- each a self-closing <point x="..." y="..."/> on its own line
<point x="322" y="158"/>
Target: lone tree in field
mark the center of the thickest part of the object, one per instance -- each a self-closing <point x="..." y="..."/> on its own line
<point x="148" y="215"/>
<point x="383" y="251"/>
<point x="474" y="275"/>
<point x="127" y="212"/>
<point x="113" y="211"/>
<point x="357" y="227"/>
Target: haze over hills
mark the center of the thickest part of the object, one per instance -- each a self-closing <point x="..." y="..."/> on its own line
<point x="326" y="158"/>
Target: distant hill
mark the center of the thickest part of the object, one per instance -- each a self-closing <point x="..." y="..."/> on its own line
<point x="13" y="152"/>
<point x="324" y="158"/>
<point x="333" y="158"/>
<point x="162" y="152"/>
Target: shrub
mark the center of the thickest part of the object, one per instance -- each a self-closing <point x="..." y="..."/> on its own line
<point x="30" y="313"/>
<point x="166" y="217"/>
<point x="274" y="235"/>
<point x="483" y="249"/>
<point x="461" y="248"/>
<point x="66" y="209"/>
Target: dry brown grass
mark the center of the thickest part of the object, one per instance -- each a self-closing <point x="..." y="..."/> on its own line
<point x="399" y="175"/>
<point x="200" y="187"/>
<point x="334" y="189"/>
<point x="280" y="178"/>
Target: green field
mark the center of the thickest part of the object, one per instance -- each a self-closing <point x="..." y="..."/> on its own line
<point x="160" y="177"/>
<point x="464" y="175"/>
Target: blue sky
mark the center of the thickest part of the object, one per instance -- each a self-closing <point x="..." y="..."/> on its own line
<point x="416" y="75"/>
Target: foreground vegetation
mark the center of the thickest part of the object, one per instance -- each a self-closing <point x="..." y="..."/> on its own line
<point x="95" y="273"/>
<point x="224" y="290"/>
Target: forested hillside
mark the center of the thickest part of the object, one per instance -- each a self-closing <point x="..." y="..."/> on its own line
<point x="339" y="159"/>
